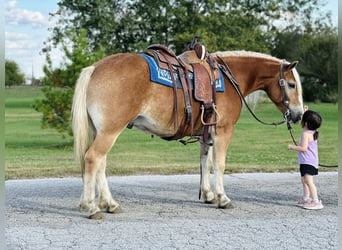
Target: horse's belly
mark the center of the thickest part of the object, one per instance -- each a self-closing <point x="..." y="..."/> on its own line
<point x="150" y="126"/>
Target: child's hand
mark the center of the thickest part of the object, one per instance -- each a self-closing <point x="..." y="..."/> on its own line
<point x="289" y="147"/>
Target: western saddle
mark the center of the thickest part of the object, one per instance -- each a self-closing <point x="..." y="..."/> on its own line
<point x="197" y="61"/>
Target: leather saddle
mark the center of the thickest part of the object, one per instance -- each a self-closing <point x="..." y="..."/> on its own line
<point x="195" y="61"/>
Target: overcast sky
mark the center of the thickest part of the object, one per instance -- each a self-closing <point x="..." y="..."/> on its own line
<point x="26" y="28"/>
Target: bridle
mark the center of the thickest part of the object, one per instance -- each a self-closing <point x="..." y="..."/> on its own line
<point x="282" y="82"/>
<point x="287" y="113"/>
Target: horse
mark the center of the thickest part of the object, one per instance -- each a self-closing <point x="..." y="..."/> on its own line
<point x="116" y="91"/>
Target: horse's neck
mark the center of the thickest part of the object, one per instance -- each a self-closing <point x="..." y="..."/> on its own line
<point x="253" y="73"/>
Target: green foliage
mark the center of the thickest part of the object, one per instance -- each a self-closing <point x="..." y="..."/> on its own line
<point x="12" y="73"/>
<point x="317" y="54"/>
<point x="55" y="108"/>
<point x="319" y="67"/>
<point x="60" y="82"/>
<point x="126" y="26"/>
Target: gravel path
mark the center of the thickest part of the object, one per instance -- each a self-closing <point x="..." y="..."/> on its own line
<point x="163" y="212"/>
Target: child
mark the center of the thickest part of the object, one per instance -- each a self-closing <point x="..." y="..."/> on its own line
<point x="308" y="158"/>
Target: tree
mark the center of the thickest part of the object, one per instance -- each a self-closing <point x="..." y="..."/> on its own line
<point x="317" y="55"/>
<point x="319" y="67"/>
<point x="60" y="82"/>
<point x="130" y="26"/>
<point x="13" y="74"/>
<point x="104" y="21"/>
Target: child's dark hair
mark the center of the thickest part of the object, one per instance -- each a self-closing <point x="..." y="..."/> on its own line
<point x="312" y="120"/>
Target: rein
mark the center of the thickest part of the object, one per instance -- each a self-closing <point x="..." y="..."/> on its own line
<point x="226" y="70"/>
<point x="228" y="73"/>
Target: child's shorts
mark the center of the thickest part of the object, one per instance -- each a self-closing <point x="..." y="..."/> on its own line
<point x="308" y="169"/>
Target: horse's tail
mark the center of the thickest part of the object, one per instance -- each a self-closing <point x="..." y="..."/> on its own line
<point x="82" y="130"/>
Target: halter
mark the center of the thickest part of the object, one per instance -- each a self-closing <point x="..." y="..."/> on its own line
<point x="282" y="82"/>
<point x="287" y="114"/>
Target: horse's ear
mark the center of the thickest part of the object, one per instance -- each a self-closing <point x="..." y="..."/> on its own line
<point x="292" y="65"/>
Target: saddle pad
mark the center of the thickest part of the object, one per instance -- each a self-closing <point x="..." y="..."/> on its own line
<point x="162" y="76"/>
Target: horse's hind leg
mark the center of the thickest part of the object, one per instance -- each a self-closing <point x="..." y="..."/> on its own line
<point x="92" y="164"/>
<point x="106" y="200"/>
<point x="95" y="163"/>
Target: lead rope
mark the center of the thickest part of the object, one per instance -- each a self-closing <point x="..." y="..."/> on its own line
<point x="289" y="128"/>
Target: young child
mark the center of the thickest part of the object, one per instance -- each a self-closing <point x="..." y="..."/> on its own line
<point x="308" y="158"/>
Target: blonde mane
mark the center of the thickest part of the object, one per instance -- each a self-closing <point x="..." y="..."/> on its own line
<point x="244" y="53"/>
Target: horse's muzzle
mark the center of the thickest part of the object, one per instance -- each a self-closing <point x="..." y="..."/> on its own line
<point x="296" y="116"/>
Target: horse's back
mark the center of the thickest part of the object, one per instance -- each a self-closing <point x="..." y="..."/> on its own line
<point x="117" y="75"/>
<point x="120" y="67"/>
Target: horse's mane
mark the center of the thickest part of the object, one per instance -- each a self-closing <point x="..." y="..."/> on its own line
<point x="244" y="53"/>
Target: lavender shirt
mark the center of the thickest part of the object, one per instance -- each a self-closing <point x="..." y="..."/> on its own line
<point x="310" y="156"/>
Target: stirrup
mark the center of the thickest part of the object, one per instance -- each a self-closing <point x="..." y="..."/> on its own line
<point x="217" y="115"/>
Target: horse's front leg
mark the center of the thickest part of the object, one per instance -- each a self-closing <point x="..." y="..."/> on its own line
<point x="205" y="166"/>
<point x="219" y="160"/>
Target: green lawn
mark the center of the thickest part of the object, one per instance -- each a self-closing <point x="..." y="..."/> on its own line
<point x="33" y="152"/>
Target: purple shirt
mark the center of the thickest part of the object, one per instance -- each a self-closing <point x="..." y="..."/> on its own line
<point x="310" y="156"/>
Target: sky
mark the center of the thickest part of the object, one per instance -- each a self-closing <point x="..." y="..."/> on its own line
<point x="26" y="29"/>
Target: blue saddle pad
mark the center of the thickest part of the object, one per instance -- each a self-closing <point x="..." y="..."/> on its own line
<point x="162" y="76"/>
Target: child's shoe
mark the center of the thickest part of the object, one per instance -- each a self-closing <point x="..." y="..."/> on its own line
<point x="314" y="205"/>
<point x="303" y="202"/>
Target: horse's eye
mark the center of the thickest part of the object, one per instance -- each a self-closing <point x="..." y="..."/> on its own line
<point x="291" y="85"/>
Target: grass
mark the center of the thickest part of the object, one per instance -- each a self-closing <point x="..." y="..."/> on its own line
<point x="32" y="152"/>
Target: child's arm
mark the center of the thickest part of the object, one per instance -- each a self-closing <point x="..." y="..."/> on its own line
<point x="303" y="147"/>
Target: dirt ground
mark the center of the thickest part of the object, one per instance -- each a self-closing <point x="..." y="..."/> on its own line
<point x="163" y="212"/>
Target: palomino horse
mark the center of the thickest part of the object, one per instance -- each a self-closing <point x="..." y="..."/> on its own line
<point x="117" y="91"/>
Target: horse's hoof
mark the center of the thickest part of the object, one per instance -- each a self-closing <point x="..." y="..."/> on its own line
<point x="96" y="216"/>
<point x="226" y="206"/>
<point x="214" y="201"/>
<point x="210" y="198"/>
<point x="115" y="210"/>
<point x="224" y="202"/>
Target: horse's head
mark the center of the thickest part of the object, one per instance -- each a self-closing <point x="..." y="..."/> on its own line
<point x="289" y="100"/>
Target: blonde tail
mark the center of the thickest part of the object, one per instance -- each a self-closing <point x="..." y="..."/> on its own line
<point x="82" y="131"/>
